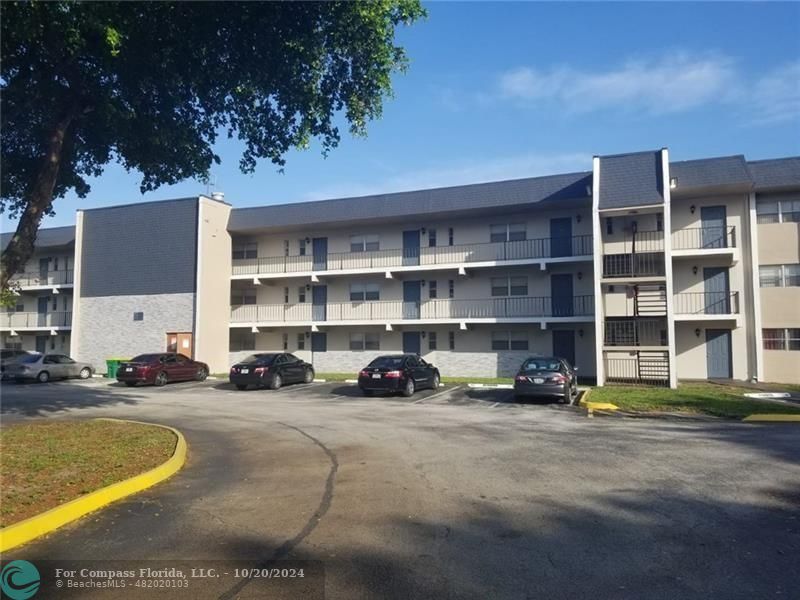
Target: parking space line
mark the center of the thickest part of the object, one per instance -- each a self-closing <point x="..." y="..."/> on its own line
<point x="432" y="396"/>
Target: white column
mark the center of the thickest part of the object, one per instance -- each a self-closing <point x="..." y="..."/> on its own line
<point x="75" y="332"/>
<point x="755" y="288"/>
<point x="196" y="341"/>
<point x="673" y="370"/>
<point x="599" y="304"/>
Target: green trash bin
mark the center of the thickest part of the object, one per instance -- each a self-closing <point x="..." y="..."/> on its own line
<point x="112" y="366"/>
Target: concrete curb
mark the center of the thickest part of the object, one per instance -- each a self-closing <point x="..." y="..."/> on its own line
<point x="42" y="524"/>
<point x="593" y="406"/>
<point x="774" y="418"/>
<point x="492" y="386"/>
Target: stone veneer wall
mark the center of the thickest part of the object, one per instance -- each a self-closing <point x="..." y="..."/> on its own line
<point x="107" y="328"/>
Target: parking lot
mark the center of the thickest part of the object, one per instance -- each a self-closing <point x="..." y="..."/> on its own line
<point x="457" y="492"/>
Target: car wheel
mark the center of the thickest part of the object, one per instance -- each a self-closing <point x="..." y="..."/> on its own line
<point x="241" y="386"/>
<point x="409" y="389"/>
<point x="309" y="376"/>
<point x="276" y="382"/>
<point x="161" y="379"/>
<point x="43" y="377"/>
<point x="567" y="397"/>
<point x="201" y="374"/>
<point x="436" y="381"/>
<point x="130" y="383"/>
<point x="85" y="373"/>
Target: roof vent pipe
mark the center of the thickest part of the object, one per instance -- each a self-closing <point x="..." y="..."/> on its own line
<point x="218" y="196"/>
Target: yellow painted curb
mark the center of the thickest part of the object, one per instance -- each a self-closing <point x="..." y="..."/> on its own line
<point x="584" y="397"/>
<point x="601" y="406"/>
<point x="34" y="527"/>
<point x="774" y="418"/>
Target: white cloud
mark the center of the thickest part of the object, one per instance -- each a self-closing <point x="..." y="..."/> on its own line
<point x="672" y="83"/>
<point x="473" y="171"/>
<point x="776" y="95"/>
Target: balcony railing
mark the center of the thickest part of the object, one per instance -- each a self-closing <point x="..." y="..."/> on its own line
<point x="37" y="278"/>
<point x="31" y="319"/>
<point x="704" y="238"/>
<point x="707" y="303"/>
<point x="395" y="310"/>
<point x="649" y="264"/>
<point x="644" y="369"/>
<point x="635" y="332"/>
<point x="580" y="245"/>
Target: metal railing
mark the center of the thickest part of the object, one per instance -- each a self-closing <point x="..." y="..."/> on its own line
<point x="31" y="319"/>
<point x="702" y="238"/>
<point x="442" y="308"/>
<point x="648" y="264"/>
<point x="37" y="278"/>
<point x="707" y="303"/>
<point x="634" y="331"/>
<point x="580" y="245"/>
<point x="640" y="370"/>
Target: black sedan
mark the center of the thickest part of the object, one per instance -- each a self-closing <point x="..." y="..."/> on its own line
<point x="548" y="377"/>
<point x="402" y="373"/>
<point x="271" y="370"/>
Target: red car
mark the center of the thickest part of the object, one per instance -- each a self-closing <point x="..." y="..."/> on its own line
<point x="160" y="369"/>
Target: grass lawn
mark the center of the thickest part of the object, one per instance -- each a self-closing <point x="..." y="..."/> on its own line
<point x="45" y="464"/>
<point x="704" y="398"/>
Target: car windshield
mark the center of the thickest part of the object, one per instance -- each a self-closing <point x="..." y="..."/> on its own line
<point x="387" y="362"/>
<point x="259" y="358"/>
<point x="146" y="358"/>
<point x="541" y="364"/>
<point x="31" y="358"/>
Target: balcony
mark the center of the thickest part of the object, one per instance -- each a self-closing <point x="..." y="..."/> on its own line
<point x="486" y="254"/>
<point x="34" y="321"/>
<point x="633" y="332"/>
<point x="43" y="279"/>
<point x="705" y="241"/>
<point x="642" y="368"/>
<point x="522" y="308"/>
<point x="703" y="306"/>
<point x="648" y="265"/>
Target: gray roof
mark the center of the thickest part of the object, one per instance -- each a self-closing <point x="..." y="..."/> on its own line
<point x="496" y="195"/>
<point x="52" y="236"/>
<point x="775" y="173"/>
<point x="720" y="171"/>
<point x="628" y="180"/>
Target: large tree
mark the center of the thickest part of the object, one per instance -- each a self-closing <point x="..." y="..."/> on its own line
<point x="151" y="84"/>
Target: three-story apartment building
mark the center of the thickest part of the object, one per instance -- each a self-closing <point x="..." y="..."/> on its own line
<point x="639" y="270"/>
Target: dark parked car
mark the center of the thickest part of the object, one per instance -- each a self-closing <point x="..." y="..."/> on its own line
<point x="546" y="376"/>
<point x="402" y="373"/>
<point x="44" y="367"/>
<point x="160" y="369"/>
<point x="270" y="369"/>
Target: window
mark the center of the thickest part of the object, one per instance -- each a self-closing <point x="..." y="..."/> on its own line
<point x="779" y="276"/>
<point x="512" y="232"/>
<point x="432" y="238"/>
<point x="301" y="293"/>
<point x="245" y="250"/>
<point x="781" y="339"/>
<point x="301" y="341"/>
<point x="431" y="289"/>
<point x="450" y="237"/>
<point x="364" y="243"/>
<point x="242" y="340"/>
<point x="509" y="340"/>
<point x="53" y="345"/>
<point x="138" y="316"/>
<point x="431" y="340"/>
<point x="301" y="246"/>
<point x="240" y="297"/>
<point x="451" y="289"/>
<point x="285" y="341"/>
<point x="365" y="341"/>
<point x="451" y="341"/>
<point x="286" y="247"/>
<point x="509" y="286"/>
<point x="360" y="292"/>
<point x="778" y="211"/>
<point x="609" y="226"/>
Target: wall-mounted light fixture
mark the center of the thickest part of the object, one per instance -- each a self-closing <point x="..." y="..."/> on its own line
<point x="422" y="283"/>
<point x="580" y="332"/>
<point x="423" y="335"/>
<point x="577" y="218"/>
<point x="692" y="208"/>
<point x="697" y="332"/>
<point x="673" y="182"/>
<point x="422" y="231"/>
<point x="308" y="286"/>
<point x="308" y="334"/>
<point x="308" y="240"/>
<point x="580" y="274"/>
<point x="694" y="270"/>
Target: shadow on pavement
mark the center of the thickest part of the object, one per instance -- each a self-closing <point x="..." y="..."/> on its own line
<point x="35" y="399"/>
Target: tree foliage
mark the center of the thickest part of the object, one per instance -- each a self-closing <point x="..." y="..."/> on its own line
<point x="150" y="84"/>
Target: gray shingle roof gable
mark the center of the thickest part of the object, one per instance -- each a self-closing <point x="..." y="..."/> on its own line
<point x="775" y="173"/>
<point x="634" y="179"/>
<point x="723" y="170"/>
<point x="48" y="237"/>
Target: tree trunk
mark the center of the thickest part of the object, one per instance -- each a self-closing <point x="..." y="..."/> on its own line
<point x="21" y="246"/>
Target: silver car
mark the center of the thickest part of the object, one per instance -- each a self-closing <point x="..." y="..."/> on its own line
<point x="9" y="356"/>
<point x="44" y="367"/>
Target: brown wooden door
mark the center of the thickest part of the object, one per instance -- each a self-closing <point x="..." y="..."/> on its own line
<point x="180" y="342"/>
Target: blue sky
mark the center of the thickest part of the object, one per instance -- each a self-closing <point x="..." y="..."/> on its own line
<point x="505" y="90"/>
